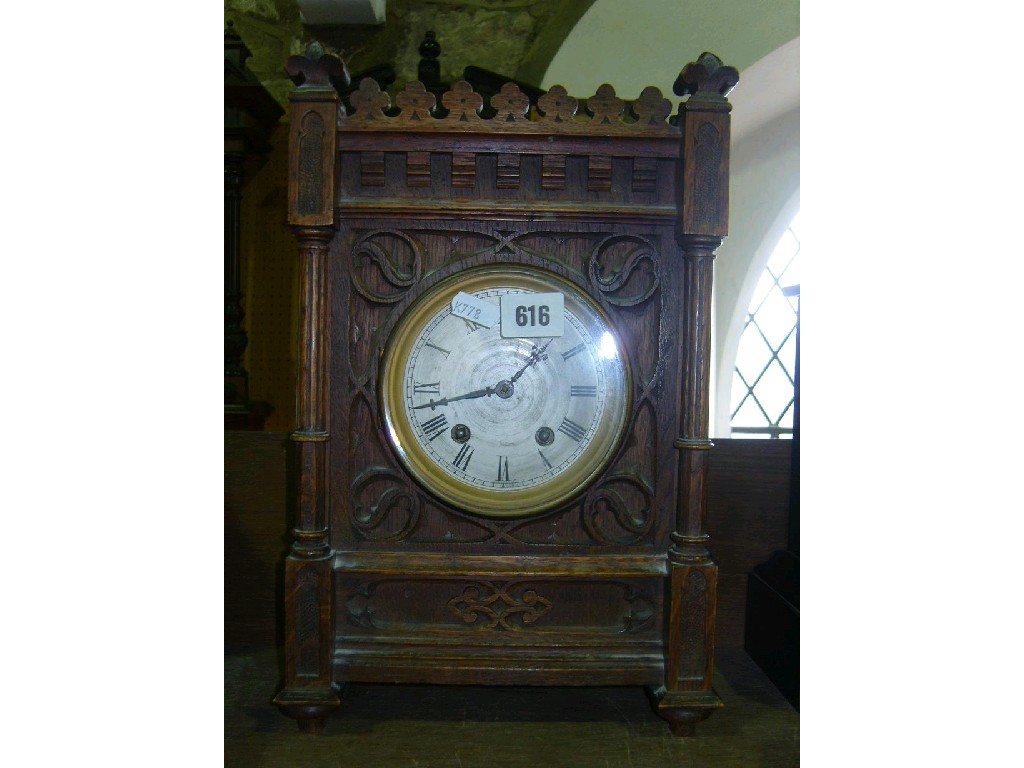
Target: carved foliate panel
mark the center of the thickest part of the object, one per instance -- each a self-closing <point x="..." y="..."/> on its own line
<point x="516" y="608"/>
<point x="387" y="269"/>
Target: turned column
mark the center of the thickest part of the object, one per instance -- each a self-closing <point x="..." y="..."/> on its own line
<point x="308" y="694"/>
<point x="250" y="113"/>
<point x="235" y="338"/>
<point x="687" y="696"/>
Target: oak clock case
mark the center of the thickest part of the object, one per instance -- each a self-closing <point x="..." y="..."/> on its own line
<point x="502" y="409"/>
<point x="505" y="390"/>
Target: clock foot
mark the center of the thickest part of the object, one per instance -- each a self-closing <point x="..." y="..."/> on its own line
<point x="309" y="708"/>
<point x="684" y="709"/>
<point x="314" y="725"/>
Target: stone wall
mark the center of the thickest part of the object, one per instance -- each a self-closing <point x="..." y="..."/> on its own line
<point x="516" y="38"/>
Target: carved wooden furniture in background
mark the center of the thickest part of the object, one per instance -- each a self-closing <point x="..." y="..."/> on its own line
<point x="385" y="582"/>
<point x="250" y="113"/>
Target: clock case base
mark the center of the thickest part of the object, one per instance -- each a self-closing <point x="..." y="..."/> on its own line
<point x="365" y="602"/>
<point x="585" y="656"/>
<point x="383" y="635"/>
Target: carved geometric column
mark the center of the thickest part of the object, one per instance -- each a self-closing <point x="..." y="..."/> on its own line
<point x="308" y="694"/>
<point x="687" y="697"/>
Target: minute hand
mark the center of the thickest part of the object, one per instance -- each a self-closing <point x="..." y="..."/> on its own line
<point x="485" y="392"/>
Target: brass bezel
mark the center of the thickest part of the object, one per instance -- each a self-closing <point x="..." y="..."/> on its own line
<point x="482" y="501"/>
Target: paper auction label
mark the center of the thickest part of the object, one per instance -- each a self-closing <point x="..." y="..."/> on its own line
<point x="532" y="315"/>
<point x="476" y="310"/>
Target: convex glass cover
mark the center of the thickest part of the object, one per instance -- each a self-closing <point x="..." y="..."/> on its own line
<point x="505" y="390"/>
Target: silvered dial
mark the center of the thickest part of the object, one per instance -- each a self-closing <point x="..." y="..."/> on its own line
<point x="493" y="421"/>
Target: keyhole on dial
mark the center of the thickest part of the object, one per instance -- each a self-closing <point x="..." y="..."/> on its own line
<point x="545" y="436"/>
<point x="460" y="433"/>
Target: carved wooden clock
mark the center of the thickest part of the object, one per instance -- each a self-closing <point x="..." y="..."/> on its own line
<point x="502" y="428"/>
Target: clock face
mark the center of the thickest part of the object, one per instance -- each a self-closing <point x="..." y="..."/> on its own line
<point x="504" y="390"/>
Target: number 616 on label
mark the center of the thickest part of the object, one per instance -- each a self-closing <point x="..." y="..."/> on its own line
<point x="532" y="315"/>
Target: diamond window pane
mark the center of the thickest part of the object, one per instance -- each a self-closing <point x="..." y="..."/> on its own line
<point x="753" y="355"/>
<point x="786" y="420"/>
<point x="749" y="415"/>
<point x="739" y="391"/>
<point x="774" y="391"/>
<point x="762" y="388"/>
<point x="776" y="319"/>
<point x="787" y="355"/>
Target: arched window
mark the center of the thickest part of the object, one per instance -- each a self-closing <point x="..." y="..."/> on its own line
<point x="762" y="388"/>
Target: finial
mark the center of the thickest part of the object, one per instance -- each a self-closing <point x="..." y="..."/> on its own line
<point x="429" y="71"/>
<point x="314" y="50"/>
<point x="317" y="68"/>
<point x="707" y="76"/>
<point x="430" y="48"/>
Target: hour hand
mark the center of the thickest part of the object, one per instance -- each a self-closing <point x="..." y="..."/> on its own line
<point x="485" y="392"/>
<point x="535" y="356"/>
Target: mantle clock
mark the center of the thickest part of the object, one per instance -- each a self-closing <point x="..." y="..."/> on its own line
<point x="502" y="412"/>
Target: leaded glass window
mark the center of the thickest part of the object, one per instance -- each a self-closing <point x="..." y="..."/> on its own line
<point x="762" y="389"/>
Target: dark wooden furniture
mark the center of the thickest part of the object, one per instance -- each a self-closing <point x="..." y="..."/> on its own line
<point x="250" y="113"/>
<point x="772" y="636"/>
<point x="384" y="582"/>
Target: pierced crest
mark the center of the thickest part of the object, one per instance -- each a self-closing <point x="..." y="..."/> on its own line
<point x="510" y="103"/>
<point x="369" y="101"/>
<point x="605" y="107"/>
<point x="462" y="102"/>
<point x="416" y="101"/>
<point x="557" y="106"/>
<point x="461" y="108"/>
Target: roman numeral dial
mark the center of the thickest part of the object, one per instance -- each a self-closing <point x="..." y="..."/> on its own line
<point x="504" y="421"/>
<point x="571" y="429"/>
<point x="463" y="457"/>
<point x="435" y="427"/>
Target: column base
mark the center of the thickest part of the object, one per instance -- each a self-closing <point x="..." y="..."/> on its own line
<point x="683" y="709"/>
<point x="309" y="707"/>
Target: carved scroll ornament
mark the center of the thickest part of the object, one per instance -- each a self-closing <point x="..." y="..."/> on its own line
<point x="487" y="606"/>
<point x="388" y="263"/>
